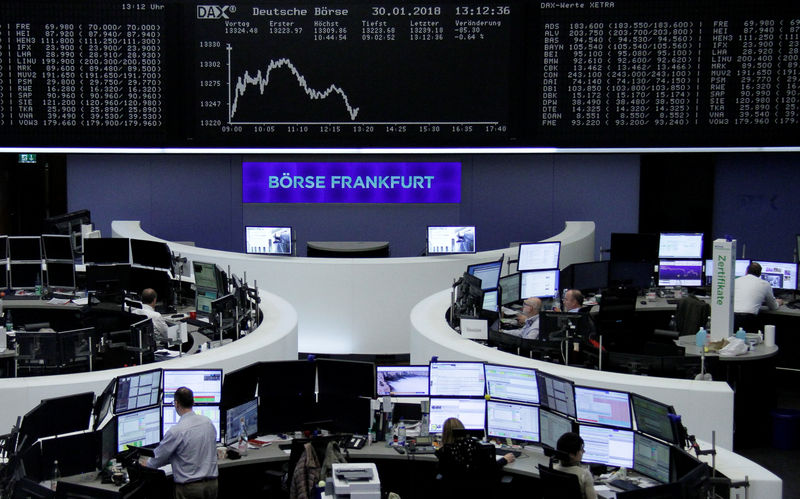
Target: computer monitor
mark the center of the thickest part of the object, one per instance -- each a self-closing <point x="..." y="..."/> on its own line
<point x="24" y="248"/>
<point x="137" y="391"/>
<point x="740" y="269"/>
<point x="74" y="346"/>
<point x="60" y="275"/>
<point x="206" y="384"/>
<point x="609" y="446"/>
<point x="207" y="276"/>
<point x="652" y="458"/>
<point x="25" y="275"/>
<point x="538" y="256"/>
<point x="345" y="378"/>
<point x="518" y="384"/>
<point x="779" y="275"/>
<point x="57" y="247"/>
<point x="203" y="299"/>
<point x="457" y="379"/>
<point x="510" y="420"/>
<point x="488" y="273"/>
<point x="633" y="247"/>
<point x="170" y="418"/>
<point x="510" y="288"/>
<point x="680" y="273"/>
<point x="539" y="283"/>
<point x="151" y="254"/>
<point x="139" y="428"/>
<point x="654" y="418"/>
<point x="552" y="426"/>
<point x="490" y="298"/>
<point x="268" y="240"/>
<point x="3" y="275"/>
<point x="225" y="306"/>
<point x="3" y="247"/>
<point x="143" y="335"/>
<point x="107" y="250"/>
<point x="450" y="239"/>
<point x="557" y="394"/>
<point x="590" y="276"/>
<point x="103" y="404"/>
<point x="239" y="419"/>
<point x="401" y="381"/>
<point x="630" y="274"/>
<point x="558" y="323"/>
<point x="680" y="245"/>
<point x="471" y="412"/>
<point x="58" y="416"/>
<point x="606" y="407"/>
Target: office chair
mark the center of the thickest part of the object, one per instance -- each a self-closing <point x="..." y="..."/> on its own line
<point x="558" y="484"/>
<point x="469" y="469"/>
<point x="748" y="322"/>
<point x="691" y="314"/>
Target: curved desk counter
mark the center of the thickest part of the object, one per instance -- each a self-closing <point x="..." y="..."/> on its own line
<point x="358" y="305"/>
<point x="274" y="339"/>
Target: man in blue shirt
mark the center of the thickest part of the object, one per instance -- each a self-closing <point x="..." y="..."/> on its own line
<point x="190" y="447"/>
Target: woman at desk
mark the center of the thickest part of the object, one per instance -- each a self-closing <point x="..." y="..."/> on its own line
<point x="461" y="453"/>
<point x="571" y="445"/>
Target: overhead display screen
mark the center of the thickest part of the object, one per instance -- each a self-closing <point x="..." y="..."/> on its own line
<point x="347" y="74"/>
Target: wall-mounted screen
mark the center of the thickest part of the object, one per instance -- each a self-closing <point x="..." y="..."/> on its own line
<point x="401" y="381"/>
<point x="471" y="412"/>
<point x="674" y="245"/>
<point x="268" y="240"/>
<point x="451" y="239"/>
<point x="539" y="283"/>
<point x="510" y="420"/>
<point x="538" y="256"/>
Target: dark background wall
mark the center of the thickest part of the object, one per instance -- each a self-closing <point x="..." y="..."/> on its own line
<point x="511" y="197"/>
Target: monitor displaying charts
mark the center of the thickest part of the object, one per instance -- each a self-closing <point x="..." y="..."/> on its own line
<point x="653" y="418"/>
<point x="518" y="384"/>
<point x="471" y="412"/>
<point x="509" y="288"/>
<point x="606" y="407"/>
<point x="510" y="420"/>
<point x="139" y="428"/>
<point x="137" y="391"/>
<point x="539" y="283"/>
<point x="539" y="256"/>
<point x="451" y="239"/>
<point x="206" y="384"/>
<point x="268" y="240"/>
<point x="680" y="272"/>
<point x="170" y="417"/>
<point x="490" y="300"/>
<point x="609" y="446"/>
<point x="488" y="273"/>
<point x="457" y="379"/>
<point x="402" y="381"/>
<point x="557" y="394"/>
<point x="552" y="426"/>
<point x="680" y="245"/>
<point x="651" y="458"/>
<point x="779" y="275"/>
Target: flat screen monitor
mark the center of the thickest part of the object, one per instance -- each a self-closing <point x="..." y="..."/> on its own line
<point x="517" y="384"/>
<point x="557" y="394"/>
<point x="652" y="458"/>
<point x="560" y="322"/>
<point x="539" y="283"/>
<point x="202" y="301"/>
<point x="206" y="384"/>
<point x="106" y="250"/>
<point x="488" y="273"/>
<point x="606" y="407"/>
<point x="151" y="254"/>
<point x="590" y="276"/>
<point x="139" y="428"/>
<point x="240" y="386"/>
<point x="103" y="404"/>
<point x="24" y="248"/>
<point x="3" y="275"/>
<point x="510" y="420"/>
<point x="57" y="416"/>
<point x="268" y="240"/>
<point x="143" y="335"/>
<point x="654" y="418"/>
<point x="471" y="412"/>
<point x="74" y="346"/>
<point x="25" y="275"/>
<point x="740" y="269"/>
<point x="779" y="275"/>
<point x="552" y="426"/>
<point x="57" y="247"/>
<point x="457" y="379"/>
<point x="170" y="418"/>
<point x="242" y="419"/>
<point x="630" y="274"/>
<point x="60" y="275"/>
<point x="538" y="256"/>
<point x="490" y="300"/>
<point x="3" y="247"/>
<point x="632" y="247"/>
<point x="680" y="272"/>
<point x="450" y="239"/>
<point x="680" y="245"/>
<point x="401" y="381"/>
<point x="137" y="391"/>
<point x="345" y="378"/>
<point x="509" y="288"/>
<point x="205" y="275"/>
<point x="609" y="446"/>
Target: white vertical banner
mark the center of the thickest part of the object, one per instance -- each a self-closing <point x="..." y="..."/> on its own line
<point x="724" y="264"/>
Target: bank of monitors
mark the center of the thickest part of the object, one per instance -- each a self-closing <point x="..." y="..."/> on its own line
<point x="170" y="418"/>
<point x="242" y="419"/>
<point x="509" y="288"/>
<point x="205" y="383"/>
<point x="551" y="426"/>
<point x="137" y="391"/>
<point x="470" y="411"/>
<point x="457" y="379"/>
<point x="779" y="275"/>
<point x="107" y="250"/>
<point x="538" y="256"/>
<point x="57" y="247"/>
<point x="488" y="273"/>
<point x="539" y="283"/>
<point x="401" y="381"/>
<point x="652" y="458"/>
<point x="154" y="254"/>
<point x="680" y="245"/>
<point x="268" y="240"/>
<point x="609" y="446"/>
<point x="680" y="272"/>
<point x="450" y="239"/>
<point x="24" y="248"/>
<point x="557" y="394"/>
<point x="139" y="428"/>
<point x="654" y="418"/>
<point x="606" y="407"/>
<point x="517" y="384"/>
<point x="510" y="420"/>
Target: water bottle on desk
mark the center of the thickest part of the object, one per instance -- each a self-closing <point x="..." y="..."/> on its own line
<point x="401" y="433"/>
<point x="701" y="337"/>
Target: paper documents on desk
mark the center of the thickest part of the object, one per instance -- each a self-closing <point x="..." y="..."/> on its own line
<point x="734" y="347"/>
<point x="166" y="353"/>
<point x="58" y="301"/>
<point x="79" y="301"/>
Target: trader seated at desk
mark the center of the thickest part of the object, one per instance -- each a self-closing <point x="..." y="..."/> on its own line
<point x="528" y="319"/>
<point x="750" y="292"/>
<point x="571" y="445"/>
<point x="573" y="300"/>
<point x="149" y="299"/>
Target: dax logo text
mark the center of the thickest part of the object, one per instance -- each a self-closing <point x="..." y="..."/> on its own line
<point x="214" y="11"/>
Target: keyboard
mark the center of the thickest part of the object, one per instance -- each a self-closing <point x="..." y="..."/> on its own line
<point x="423" y="449"/>
<point x="21" y="297"/>
<point x="624" y="485"/>
<point x="499" y="451"/>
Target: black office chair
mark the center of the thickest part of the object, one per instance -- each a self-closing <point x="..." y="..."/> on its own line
<point x="691" y="314"/>
<point x="558" y="484"/>
<point x="469" y="469"/>
<point x="748" y="322"/>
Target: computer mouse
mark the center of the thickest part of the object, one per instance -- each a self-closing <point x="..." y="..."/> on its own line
<point x="643" y="302"/>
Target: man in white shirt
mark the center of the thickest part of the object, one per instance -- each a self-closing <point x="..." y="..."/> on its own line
<point x="750" y="292"/>
<point x="149" y="298"/>
<point x="529" y="319"/>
